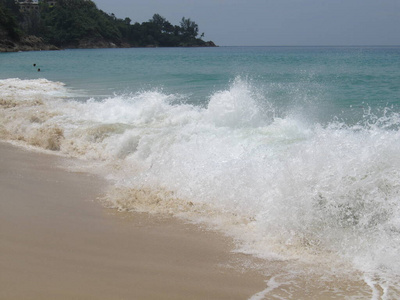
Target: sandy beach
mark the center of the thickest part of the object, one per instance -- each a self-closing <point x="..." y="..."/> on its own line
<point x="58" y="242"/>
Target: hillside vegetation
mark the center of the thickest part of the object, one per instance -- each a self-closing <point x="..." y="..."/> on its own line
<point x="80" y="24"/>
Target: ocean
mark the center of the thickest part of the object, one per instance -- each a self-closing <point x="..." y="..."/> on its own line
<point x="294" y="152"/>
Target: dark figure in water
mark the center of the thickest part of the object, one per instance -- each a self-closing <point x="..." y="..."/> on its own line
<point x="38" y="70"/>
<point x="34" y="65"/>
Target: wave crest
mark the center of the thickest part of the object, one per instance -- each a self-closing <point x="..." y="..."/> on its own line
<point x="289" y="184"/>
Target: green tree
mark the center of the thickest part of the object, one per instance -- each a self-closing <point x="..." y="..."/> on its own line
<point x="79" y="23"/>
<point x="162" y="24"/>
<point x="72" y="21"/>
<point x="189" y="28"/>
<point x="158" y="20"/>
<point x="9" y="15"/>
<point x="127" y="21"/>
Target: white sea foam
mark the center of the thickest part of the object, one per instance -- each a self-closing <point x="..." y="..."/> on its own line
<point x="271" y="285"/>
<point x="281" y="187"/>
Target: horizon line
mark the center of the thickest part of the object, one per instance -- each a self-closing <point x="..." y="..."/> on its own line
<point x="396" y="45"/>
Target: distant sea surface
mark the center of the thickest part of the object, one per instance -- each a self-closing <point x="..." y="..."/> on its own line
<point x="292" y="151"/>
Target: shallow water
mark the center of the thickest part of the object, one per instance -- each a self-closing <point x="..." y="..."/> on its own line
<point x="294" y="152"/>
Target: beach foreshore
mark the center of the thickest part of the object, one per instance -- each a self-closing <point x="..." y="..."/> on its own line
<point x="58" y="242"/>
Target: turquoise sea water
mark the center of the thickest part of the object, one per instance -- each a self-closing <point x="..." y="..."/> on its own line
<point x="336" y="78"/>
<point x="293" y="151"/>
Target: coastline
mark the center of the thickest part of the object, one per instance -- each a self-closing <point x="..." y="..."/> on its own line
<point x="10" y="46"/>
<point x="58" y="242"/>
<point x="27" y="43"/>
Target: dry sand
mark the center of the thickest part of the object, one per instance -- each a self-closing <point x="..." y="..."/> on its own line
<point x="58" y="242"/>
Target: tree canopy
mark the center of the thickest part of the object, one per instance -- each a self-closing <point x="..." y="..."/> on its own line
<point x="9" y="15"/>
<point x="79" y="23"/>
<point x="189" y="28"/>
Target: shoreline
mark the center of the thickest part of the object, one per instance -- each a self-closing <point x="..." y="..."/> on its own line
<point x="53" y="48"/>
<point x="34" y="43"/>
<point x="58" y="242"/>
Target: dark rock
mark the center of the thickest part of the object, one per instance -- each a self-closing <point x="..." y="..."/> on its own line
<point x="26" y="43"/>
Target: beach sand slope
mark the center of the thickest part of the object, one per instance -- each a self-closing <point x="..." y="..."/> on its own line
<point x="58" y="242"/>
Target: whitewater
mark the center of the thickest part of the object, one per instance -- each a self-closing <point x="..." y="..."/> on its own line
<point x="319" y="194"/>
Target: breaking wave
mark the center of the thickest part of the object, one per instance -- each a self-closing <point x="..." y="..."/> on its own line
<point x="282" y="187"/>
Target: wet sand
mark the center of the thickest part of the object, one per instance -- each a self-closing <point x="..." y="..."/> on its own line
<point x="58" y="242"/>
